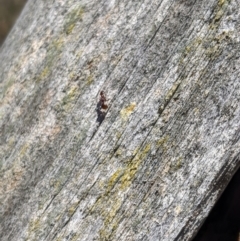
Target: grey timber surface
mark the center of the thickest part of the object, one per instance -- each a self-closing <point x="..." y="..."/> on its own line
<point x="169" y="143"/>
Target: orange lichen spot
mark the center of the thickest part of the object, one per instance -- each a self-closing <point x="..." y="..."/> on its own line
<point x="127" y="111"/>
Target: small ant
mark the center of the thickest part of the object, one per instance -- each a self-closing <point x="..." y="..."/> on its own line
<point x="101" y="105"/>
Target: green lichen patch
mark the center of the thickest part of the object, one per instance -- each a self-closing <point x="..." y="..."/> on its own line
<point x="69" y="98"/>
<point x="44" y="73"/>
<point x="118" y="153"/>
<point x="54" y="51"/>
<point x="72" y="208"/>
<point x="110" y="219"/>
<point x="132" y="168"/>
<point x="114" y="179"/>
<point x="176" y="165"/>
<point x="57" y="182"/>
<point x="168" y="97"/>
<point x="5" y="86"/>
<point x="90" y="80"/>
<point x="211" y="47"/>
<point x="189" y="50"/>
<point x="73" y="76"/>
<point x="219" y="12"/>
<point x="172" y="91"/>
<point x="33" y="228"/>
<point x="215" y="44"/>
<point x="72" y="18"/>
<point x="110" y="202"/>
<point x="163" y="143"/>
<point x="23" y="150"/>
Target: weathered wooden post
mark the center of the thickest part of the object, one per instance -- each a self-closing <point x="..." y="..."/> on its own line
<point x="169" y="143"/>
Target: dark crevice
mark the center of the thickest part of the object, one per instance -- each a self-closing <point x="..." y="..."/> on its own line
<point x="223" y="222"/>
<point x="222" y="179"/>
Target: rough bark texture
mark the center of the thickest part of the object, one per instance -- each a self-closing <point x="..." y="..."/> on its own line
<point x="169" y="143"/>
